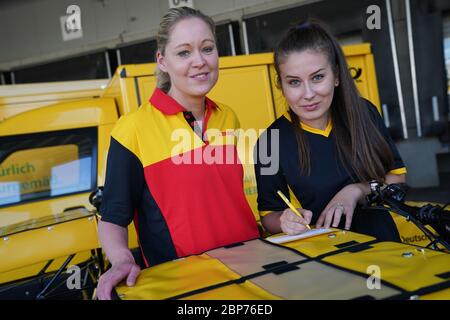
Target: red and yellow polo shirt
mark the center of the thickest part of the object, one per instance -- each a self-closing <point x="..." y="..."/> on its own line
<point x="183" y="193"/>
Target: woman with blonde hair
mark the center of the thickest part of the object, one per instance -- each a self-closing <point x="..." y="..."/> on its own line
<point x="178" y="208"/>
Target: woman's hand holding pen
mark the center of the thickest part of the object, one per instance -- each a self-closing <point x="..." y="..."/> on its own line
<point x="292" y="224"/>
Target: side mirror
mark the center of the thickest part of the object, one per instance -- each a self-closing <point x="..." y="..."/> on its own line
<point x="95" y="198"/>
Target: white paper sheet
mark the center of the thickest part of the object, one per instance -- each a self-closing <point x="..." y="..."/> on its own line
<point x="285" y="238"/>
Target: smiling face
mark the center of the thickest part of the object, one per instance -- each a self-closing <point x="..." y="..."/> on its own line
<point x="190" y="58"/>
<point x="308" y="83"/>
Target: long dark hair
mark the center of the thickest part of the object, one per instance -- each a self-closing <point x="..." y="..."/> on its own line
<point x="359" y="143"/>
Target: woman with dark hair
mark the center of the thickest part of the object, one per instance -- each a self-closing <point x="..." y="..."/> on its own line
<point x="332" y="142"/>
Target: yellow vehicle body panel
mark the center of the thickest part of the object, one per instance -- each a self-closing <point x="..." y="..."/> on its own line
<point x="47" y="241"/>
<point x="27" y="212"/>
<point x="15" y="99"/>
<point x="362" y="67"/>
<point x="77" y="114"/>
<point x="36" y="268"/>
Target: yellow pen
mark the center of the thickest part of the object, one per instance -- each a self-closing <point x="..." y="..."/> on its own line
<point x="291" y="206"/>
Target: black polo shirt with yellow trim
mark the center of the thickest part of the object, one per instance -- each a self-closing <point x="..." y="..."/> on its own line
<point x="328" y="175"/>
<point x="184" y="197"/>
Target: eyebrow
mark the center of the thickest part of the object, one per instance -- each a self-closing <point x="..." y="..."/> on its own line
<point x="321" y="69"/>
<point x="187" y="44"/>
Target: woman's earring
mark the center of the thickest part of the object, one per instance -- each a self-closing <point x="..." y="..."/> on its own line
<point x="336" y="83"/>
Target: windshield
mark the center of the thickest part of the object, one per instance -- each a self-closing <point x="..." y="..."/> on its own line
<point x="45" y="165"/>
